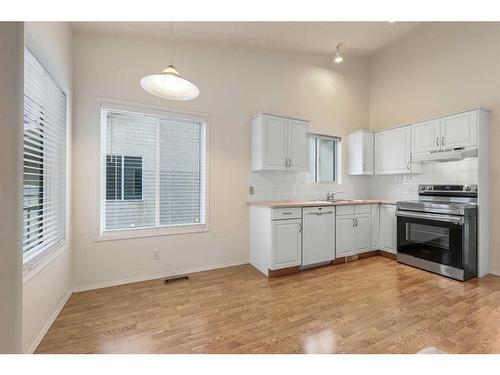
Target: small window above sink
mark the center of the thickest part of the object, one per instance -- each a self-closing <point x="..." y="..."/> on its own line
<point x="324" y="158"/>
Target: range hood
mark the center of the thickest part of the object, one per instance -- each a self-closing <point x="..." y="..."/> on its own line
<point x="451" y="154"/>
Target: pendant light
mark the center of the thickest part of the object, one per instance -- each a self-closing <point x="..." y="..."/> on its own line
<point x="338" y="56"/>
<point x="169" y="84"/>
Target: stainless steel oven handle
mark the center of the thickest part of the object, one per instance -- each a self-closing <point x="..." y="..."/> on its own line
<point x="428" y="216"/>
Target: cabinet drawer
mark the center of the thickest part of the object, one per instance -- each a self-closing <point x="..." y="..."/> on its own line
<point x="345" y="210"/>
<point x="362" y="209"/>
<point x="318" y="210"/>
<point x="287" y="213"/>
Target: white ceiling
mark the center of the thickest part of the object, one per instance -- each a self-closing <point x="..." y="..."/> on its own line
<point x="360" y="38"/>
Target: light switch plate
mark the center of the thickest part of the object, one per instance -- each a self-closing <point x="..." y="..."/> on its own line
<point x="251" y="190"/>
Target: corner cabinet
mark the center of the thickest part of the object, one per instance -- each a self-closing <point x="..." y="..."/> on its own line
<point x="360" y="153"/>
<point x="279" y="144"/>
<point x="393" y="152"/>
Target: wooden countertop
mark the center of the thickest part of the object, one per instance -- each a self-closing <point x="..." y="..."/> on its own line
<point x="315" y="203"/>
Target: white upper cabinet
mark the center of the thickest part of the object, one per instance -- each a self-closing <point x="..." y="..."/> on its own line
<point x="459" y="130"/>
<point x="445" y="133"/>
<point x="393" y="151"/>
<point x="426" y="136"/>
<point x="360" y="153"/>
<point x="279" y="143"/>
<point x="298" y="145"/>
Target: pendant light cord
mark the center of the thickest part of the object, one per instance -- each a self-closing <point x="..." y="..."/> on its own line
<point x="171" y="42"/>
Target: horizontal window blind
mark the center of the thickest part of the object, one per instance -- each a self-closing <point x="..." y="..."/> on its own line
<point x="44" y="161"/>
<point x="154" y="170"/>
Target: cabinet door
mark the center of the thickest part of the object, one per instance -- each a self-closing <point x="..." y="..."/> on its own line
<point x="362" y="237"/>
<point x="459" y="130"/>
<point x="367" y="140"/>
<point x="298" y="145"/>
<point x="425" y="136"/>
<point x="375" y="227"/>
<point x="287" y="243"/>
<point x="275" y="130"/>
<point x="392" y="151"/>
<point x="360" y="153"/>
<point x="345" y="236"/>
<point x="388" y="228"/>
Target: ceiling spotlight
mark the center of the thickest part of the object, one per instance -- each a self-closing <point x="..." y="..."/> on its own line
<point x="338" y="56"/>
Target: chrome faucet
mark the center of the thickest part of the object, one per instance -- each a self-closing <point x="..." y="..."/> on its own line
<point x="331" y="196"/>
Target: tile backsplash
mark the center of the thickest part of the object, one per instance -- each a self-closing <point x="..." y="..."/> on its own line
<point x="294" y="186"/>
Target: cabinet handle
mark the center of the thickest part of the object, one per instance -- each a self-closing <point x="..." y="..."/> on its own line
<point x="437" y="141"/>
<point x="442" y="141"/>
<point x="289" y="162"/>
<point x="356" y="221"/>
<point x="408" y="166"/>
<point x="300" y="228"/>
<point x="353" y="222"/>
<point x="364" y="167"/>
<point x="287" y="213"/>
<point x="286" y="162"/>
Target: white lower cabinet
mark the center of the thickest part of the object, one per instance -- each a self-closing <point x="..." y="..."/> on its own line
<point x="353" y="228"/>
<point x="388" y="228"/>
<point x="345" y="234"/>
<point x="287" y="243"/>
<point x="275" y="238"/>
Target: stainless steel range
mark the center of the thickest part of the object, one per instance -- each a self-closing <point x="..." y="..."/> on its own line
<point x="438" y="232"/>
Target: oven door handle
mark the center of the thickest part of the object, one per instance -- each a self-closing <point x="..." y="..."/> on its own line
<point x="428" y="216"/>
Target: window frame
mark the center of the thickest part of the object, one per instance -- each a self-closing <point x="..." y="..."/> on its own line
<point x="41" y="259"/>
<point x="161" y="230"/>
<point x="313" y="175"/>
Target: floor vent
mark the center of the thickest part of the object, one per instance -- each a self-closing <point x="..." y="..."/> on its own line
<point x="175" y="278"/>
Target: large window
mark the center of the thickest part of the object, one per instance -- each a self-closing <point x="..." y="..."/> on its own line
<point x="44" y="161"/>
<point x="323" y="158"/>
<point x="153" y="169"/>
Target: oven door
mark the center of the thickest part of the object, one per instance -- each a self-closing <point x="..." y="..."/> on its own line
<point x="433" y="237"/>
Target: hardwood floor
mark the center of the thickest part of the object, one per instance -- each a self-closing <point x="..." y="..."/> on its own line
<point x="373" y="305"/>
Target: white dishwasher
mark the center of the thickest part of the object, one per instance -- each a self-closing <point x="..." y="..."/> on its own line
<point x="318" y="235"/>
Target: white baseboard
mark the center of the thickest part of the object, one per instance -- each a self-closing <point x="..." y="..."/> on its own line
<point x="136" y="279"/>
<point x="53" y="317"/>
<point x="494" y="272"/>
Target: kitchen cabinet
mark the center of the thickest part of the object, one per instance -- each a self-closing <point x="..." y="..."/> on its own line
<point x="426" y="136"/>
<point x="360" y="148"/>
<point x="393" y="151"/>
<point x="279" y="143"/>
<point x="287" y="241"/>
<point x="375" y="226"/>
<point x="318" y="235"/>
<point x="388" y="228"/>
<point x="459" y="130"/>
<point x="353" y="228"/>
<point x="275" y="238"/>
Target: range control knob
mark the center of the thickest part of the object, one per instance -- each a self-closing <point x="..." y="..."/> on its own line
<point x="424" y="187"/>
<point x="467" y="188"/>
<point x="429" y="187"/>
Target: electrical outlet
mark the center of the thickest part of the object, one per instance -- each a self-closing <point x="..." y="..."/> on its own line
<point x="156" y="254"/>
<point x="251" y="190"/>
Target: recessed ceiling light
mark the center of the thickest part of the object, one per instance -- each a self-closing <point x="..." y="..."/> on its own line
<point x="338" y="56"/>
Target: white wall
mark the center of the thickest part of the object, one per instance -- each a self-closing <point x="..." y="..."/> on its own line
<point x="442" y="68"/>
<point x="235" y="84"/>
<point x="11" y="141"/>
<point x="47" y="287"/>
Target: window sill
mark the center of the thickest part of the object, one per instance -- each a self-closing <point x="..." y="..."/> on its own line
<point x="31" y="268"/>
<point x="124" y="234"/>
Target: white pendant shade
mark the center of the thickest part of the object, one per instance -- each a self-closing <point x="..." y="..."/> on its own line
<point x="170" y="85"/>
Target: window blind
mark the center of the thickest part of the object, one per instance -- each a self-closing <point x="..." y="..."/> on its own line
<point x="44" y="160"/>
<point x="153" y="170"/>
